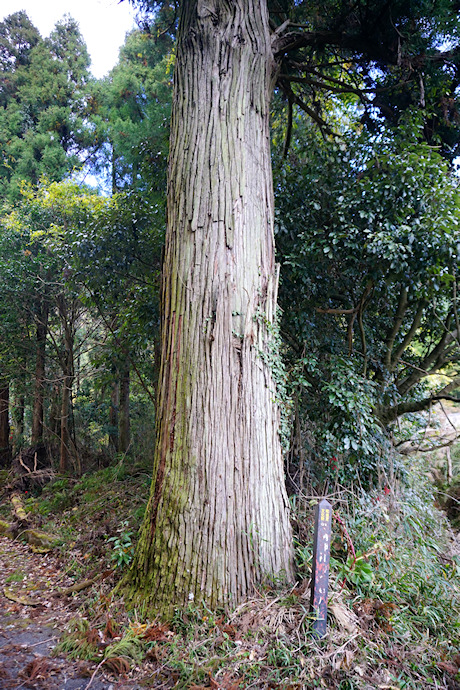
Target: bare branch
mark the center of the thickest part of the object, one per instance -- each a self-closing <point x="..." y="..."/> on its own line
<point x="336" y="311"/>
<point x="327" y="87"/>
<point x="293" y="98"/>
<point x="390" y="414"/>
<point x="433" y="361"/>
<point x="402" y="308"/>
<point x="409" y="336"/>
<point x="279" y="30"/>
<point x="287" y="141"/>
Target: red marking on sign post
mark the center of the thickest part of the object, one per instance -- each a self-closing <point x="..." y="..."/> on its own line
<point x="320" y="574"/>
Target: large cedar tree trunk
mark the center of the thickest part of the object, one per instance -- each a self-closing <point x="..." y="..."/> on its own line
<point x="217" y="522"/>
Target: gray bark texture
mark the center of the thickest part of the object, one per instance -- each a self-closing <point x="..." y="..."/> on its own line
<point x="217" y="523"/>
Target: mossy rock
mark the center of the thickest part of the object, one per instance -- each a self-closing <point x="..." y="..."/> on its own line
<point x="7" y="529"/>
<point x="40" y="541"/>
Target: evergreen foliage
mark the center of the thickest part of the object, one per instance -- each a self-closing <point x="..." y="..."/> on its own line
<point x="368" y="234"/>
<point x="44" y="127"/>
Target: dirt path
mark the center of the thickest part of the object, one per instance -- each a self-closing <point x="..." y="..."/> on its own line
<point x="32" y="618"/>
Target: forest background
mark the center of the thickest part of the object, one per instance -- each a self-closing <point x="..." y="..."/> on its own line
<point x="364" y="152"/>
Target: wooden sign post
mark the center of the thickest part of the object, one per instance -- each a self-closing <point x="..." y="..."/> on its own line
<point x="320" y="574"/>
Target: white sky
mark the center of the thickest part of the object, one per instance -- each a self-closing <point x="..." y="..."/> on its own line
<point x="103" y="24"/>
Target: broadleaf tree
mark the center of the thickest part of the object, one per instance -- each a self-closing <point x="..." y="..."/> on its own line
<point x="367" y="231"/>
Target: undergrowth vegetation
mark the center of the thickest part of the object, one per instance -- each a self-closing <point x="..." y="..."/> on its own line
<point x="95" y="517"/>
<point x="394" y="597"/>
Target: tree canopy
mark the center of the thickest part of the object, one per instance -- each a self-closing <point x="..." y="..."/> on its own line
<point x="44" y="126"/>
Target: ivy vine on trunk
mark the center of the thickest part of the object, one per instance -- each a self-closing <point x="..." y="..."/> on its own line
<point x="217" y="522"/>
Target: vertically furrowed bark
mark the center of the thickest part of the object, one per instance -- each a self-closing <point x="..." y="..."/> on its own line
<point x="217" y="522"/>
<point x="54" y="417"/>
<point x="64" y="453"/>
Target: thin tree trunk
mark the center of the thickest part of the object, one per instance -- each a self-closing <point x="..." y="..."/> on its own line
<point x="64" y="453"/>
<point x="68" y="371"/>
<point x="114" y="170"/>
<point x="449" y="464"/>
<point x="21" y="415"/>
<point x="54" y="417"/>
<point x="18" y="415"/>
<point x="124" y="433"/>
<point x="5" y="450"/>
<point x="217" y="523"/>
<point x="38" y="402"/>
<point x="113" y="415"/>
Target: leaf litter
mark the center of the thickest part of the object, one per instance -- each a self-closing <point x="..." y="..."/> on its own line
<point x="33" y="615"/>
<point x="54" y="634"/>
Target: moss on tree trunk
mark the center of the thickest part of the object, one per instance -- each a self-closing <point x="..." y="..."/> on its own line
<point x="217" y="522"/>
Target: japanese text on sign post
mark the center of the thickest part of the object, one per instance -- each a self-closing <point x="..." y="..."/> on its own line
<point x="320" y="574"/>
